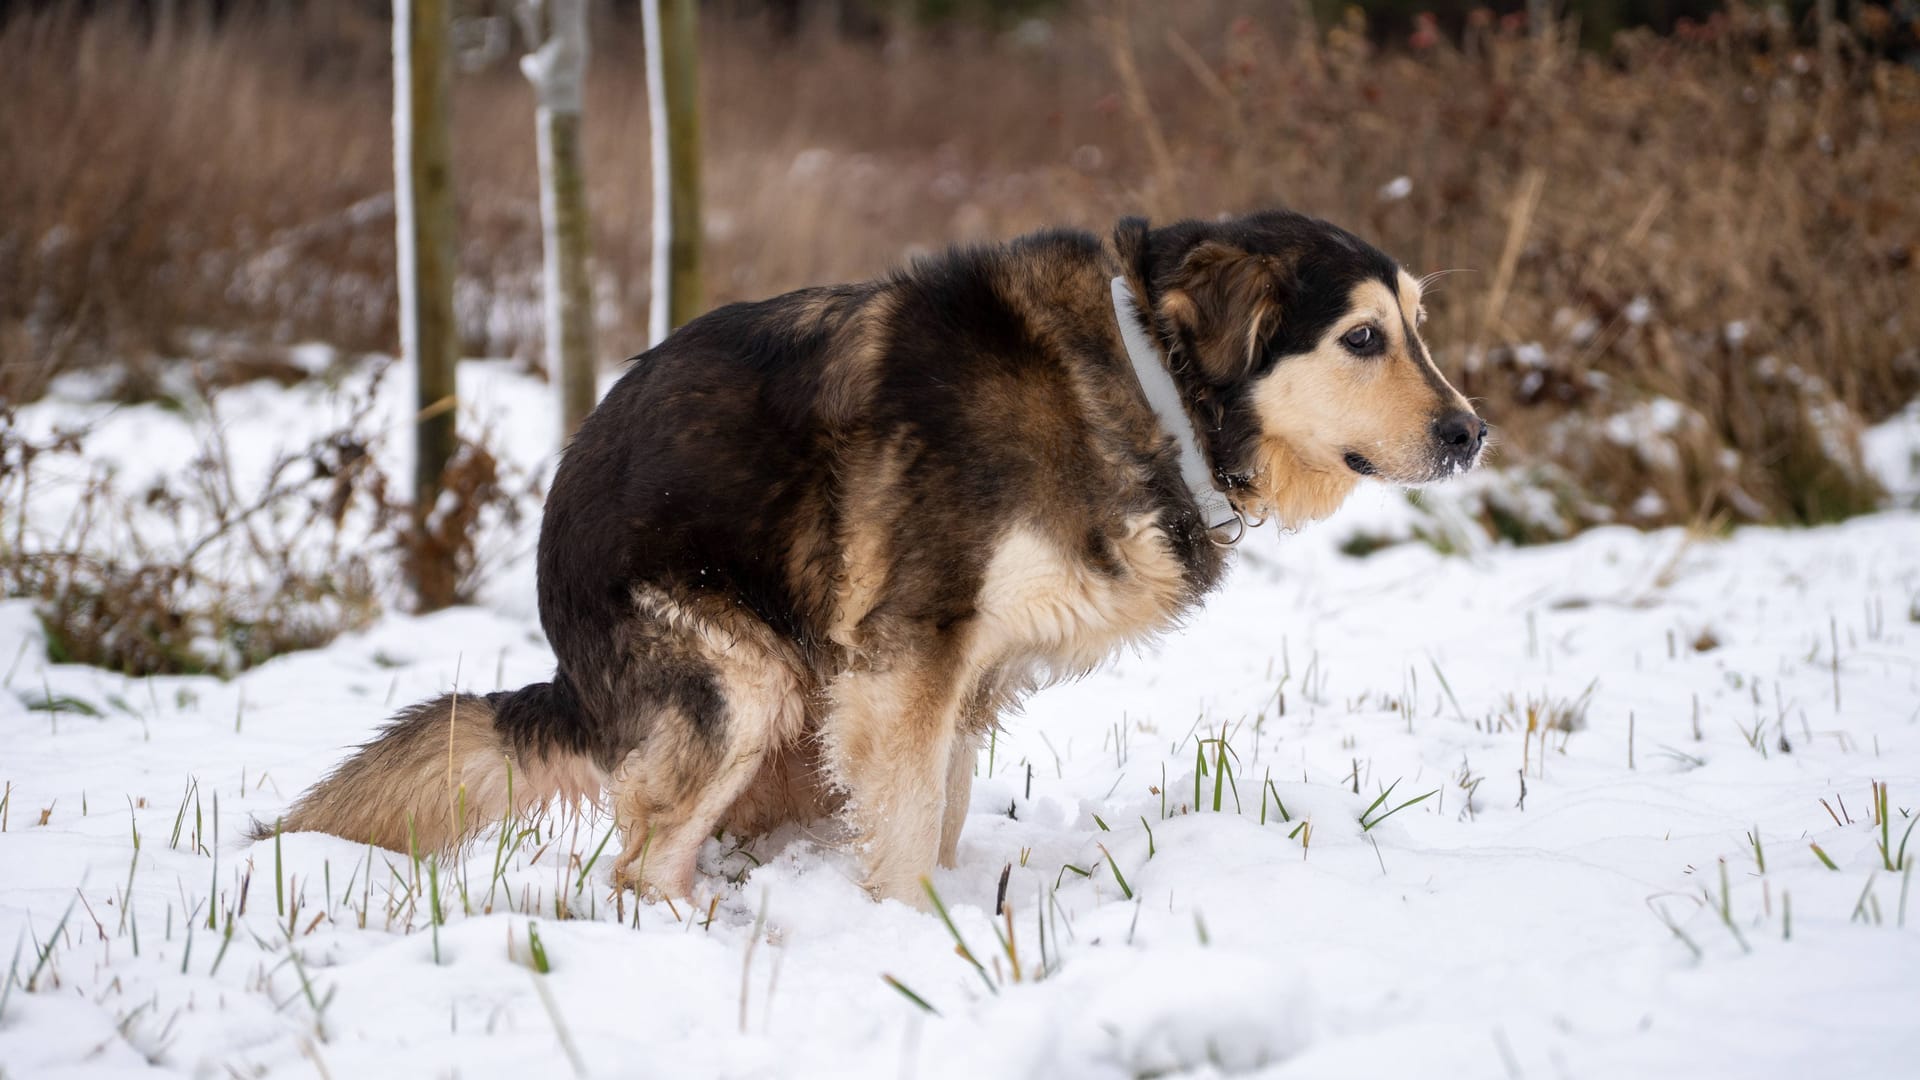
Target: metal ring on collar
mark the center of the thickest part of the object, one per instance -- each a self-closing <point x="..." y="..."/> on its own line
<point x="1240" y="520"/>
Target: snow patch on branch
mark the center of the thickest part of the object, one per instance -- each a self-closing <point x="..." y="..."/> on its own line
<point x="407" y="256"/>
<point x="557" y="68"/>
<point x="659" y="316"/>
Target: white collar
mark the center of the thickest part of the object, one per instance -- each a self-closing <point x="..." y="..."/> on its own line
<point x="1215" y="511"/>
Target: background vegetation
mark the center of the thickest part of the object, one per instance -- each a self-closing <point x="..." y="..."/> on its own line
<point x="1680" y="257"/>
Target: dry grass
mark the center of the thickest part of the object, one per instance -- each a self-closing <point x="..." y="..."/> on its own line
<point x="248" y="573"/>
<point x="1705" y="221"/>
<point x="230" y="561"/>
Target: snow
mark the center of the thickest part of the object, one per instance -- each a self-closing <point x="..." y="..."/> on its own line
<point x="1648" y="429"/>
<point x="1471" y="934"/>
<point x="1891" y="450"/>
<point x="557" y="67"/>
<point x="406" y="253"/>
<point x="659" y="307"/>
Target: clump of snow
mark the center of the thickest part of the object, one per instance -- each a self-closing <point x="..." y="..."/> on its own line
<point x="1891" y="453"/>
<point x="557" y="66"/>
<point x="1395" y="189"/>
<point x="1666" y="415"/>
<point x="1649" y="428"/>
<point x="1834" y="425"/>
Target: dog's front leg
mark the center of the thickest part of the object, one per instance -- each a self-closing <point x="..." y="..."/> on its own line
<point x="960" y="763"/>
<point x="891" y="735"/>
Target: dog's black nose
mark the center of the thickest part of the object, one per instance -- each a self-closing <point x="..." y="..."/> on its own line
<point x="1460" y="435"/>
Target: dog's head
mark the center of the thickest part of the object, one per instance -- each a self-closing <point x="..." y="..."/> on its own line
<point x="1297" y="347"/>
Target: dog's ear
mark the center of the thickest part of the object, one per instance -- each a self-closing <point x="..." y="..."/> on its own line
<point x="1226" y="305"/>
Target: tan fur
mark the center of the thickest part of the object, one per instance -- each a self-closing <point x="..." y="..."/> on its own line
<point x="1038" y="601"/>
<point x="1039" y="607"/>
<point x="817" y="559"/>
<point x="434" y="778"/>
<point x="871" y="510"/>
<point x="858" y="328"/>
<point x="793" y="785"/>
<point x="849" y="378"/>
<point x="959" y="791"/>
<point x="1292" y="491"/>
<point x="1409" y="300"/>
<point x="671" y="792"/>
<point x="1315" y="408"/>
<point x="890" y="743"/>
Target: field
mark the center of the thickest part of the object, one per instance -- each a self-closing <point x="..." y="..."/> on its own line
<point x="1601" y="761"/>
<point x="1630" y="804"/>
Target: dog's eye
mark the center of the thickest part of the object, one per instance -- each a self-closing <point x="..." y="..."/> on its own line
<point x="1362" y="340"/>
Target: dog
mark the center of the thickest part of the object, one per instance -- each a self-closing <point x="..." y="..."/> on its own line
<point x="809" y="549"/>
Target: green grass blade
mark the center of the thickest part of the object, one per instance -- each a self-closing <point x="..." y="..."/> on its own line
<point x="538" y="950"/>
<point x="52" y="940"/>
<point x="908" y="994"/>
<point x="1368" y="826"/>
<point x="960" y="943"/>
<point x="1375" y="804"/>
<point x="588" y="869"/>
<point x="1125" y="889"/>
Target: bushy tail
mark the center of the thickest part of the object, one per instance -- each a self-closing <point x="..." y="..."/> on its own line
<point x="441" y="772"/>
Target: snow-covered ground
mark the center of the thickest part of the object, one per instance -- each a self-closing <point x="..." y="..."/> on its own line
<point x="1644" y="842"/>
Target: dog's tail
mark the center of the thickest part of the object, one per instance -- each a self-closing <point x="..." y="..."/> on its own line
<point x="446" y="769"/>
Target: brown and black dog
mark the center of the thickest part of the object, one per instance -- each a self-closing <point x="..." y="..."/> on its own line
<point x="809" y="549"/>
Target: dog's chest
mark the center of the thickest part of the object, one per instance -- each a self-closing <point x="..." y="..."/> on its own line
<point x="1067" y="609"/>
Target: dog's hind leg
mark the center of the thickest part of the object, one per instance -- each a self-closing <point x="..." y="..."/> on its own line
<point x="726" y="694"/>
